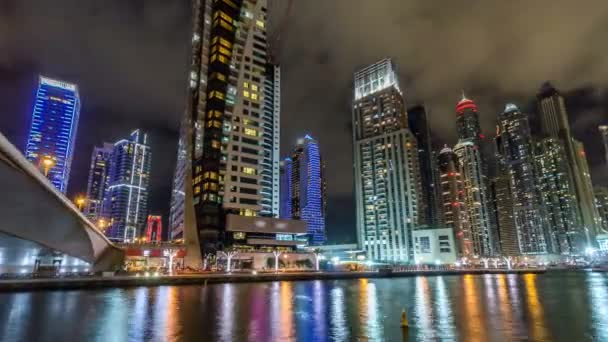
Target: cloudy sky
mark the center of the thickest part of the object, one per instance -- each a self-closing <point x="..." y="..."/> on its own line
<point x="129" y="58"/>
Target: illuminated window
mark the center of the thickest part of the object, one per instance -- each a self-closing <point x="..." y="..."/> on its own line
<point x="246" y="93"/>
<point x="210" y="175"/>
<point x="215" y="144"/>
<point x="197" y="190"/>
<point x="259" y="23"/>
<point x="239" y="235"/>
<point x="247" y="212"/>
<point x="225" y="51"/>
<point x="249" y="170"/>
<point x="253" y="87"/>
<point x="219" y="76"/>
<point x="222" y="59"/>
<point x="214" y="114"/>
<point x="223" y="15"/>
<point x="226" y="26"/>
<point x="251" y="132"/>
<point x="225" y="43"/>
<point x="246" y="85"/>
<point x="254" y="96"/>
<point x="210" y="186"/>
<point x="217" y="94"/>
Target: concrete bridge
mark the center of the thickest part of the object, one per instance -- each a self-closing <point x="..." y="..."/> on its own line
<point x="38" y="223"/>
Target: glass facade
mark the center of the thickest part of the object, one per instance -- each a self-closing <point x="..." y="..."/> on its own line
<point x="454" y="208"/>
<point x="304" y="189"/>
<point x="53" y="129"/>
<point x="515" y="151"/>
<point x="99" y="172"/>
<point x="387" y="176"/>
<point x="127" y="199"/>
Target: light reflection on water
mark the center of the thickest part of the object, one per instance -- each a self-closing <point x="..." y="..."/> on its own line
<point x="447" y="308"/>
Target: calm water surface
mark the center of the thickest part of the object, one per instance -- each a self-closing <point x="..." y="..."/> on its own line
<point x="569" y="306"/>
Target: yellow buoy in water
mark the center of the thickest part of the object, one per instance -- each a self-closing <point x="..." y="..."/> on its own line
<point x="404" y="323"/>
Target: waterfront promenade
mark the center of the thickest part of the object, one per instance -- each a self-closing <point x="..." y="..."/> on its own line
<point x="214" y="278"/>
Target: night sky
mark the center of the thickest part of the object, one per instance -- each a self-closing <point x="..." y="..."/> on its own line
<point x="130" y="57"/>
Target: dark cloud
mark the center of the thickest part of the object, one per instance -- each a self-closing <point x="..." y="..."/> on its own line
<point x="130" y="60"/>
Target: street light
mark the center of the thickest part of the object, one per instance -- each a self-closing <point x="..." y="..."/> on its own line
<point x="47" y="162"/>
<point x="80" y="201"/>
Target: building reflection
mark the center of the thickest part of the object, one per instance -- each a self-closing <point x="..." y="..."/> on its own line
<point x="598" y="293"/>
<point x="443" y="308"/>
<point x="286" y="327"/>
<point x="368" y="311"/>
<point x="506" y="316"/>
<point x="228" y="306"/>
<point x="258" y="311"/>
<point x="474" y="328"/>
<point x="172" y="314"/>
<point x="535" y="310"/>
<point x="338" y="324"/>
<point x="139" y="320"/>
<point x="422" y="316"/>
<point x="319" y="310"/>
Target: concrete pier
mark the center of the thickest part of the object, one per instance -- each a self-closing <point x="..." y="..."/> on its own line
<point x="214" y="278"/>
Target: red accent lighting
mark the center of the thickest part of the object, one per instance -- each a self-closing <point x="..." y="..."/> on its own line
<point x="464" y="105"/>
<point x="154" y="229"/>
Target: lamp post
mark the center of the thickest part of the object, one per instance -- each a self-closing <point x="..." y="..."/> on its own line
<point x="276" y="254"/>
<point x="80" y="201"/>
<point x="228" y="255"/>
<point x="47" y="162"/>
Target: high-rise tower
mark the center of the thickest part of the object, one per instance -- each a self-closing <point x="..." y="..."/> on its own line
<point x="227" y="123"/>
<point x="303" y="192"/>
<point x="419" y="125"/>
<point x="387" y="186"/>
<point x="53" y="128"/>
<point x="454" y="209"/>
<point x="467" y="121"/>
<point x="515" y="152"/>
<point x="271" y="141"/>
<point x="555" y="124"/>
<point x="476" y="196"/>
<point x="97" y="185"/>
<point x="604" y="132"/>
<point x="558" y="195"/>
<point x="127" y="200"/>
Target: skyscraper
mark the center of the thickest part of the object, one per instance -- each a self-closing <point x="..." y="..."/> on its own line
<point x="558" y="195"/>
<point x="467" y="121"/>
<point x="555" y="124"/>
<point x="387" y="187"/>
<point x="97" y="185"/>
<point x="476" y="196"/>
<point x="515" y="151"/>
<point x="601" y="200"/>
<point x="604" y="131"/>
<point x="418" y="124"/>
<point x="271" y="141"/>
<point x="454" y="209"/>
<point x="53" y="129"/>
<point x="127" y="199"/>
<point x="178" y="191"/>
<point x="503" y="206"/>
<point x="303" y="179"/>
<point x="225" y="116"/>
<point x="286" y="195"/>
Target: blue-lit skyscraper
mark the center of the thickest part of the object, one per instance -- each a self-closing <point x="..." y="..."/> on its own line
<point x="303" y="189"/>
<point x="127" y="198"/>
<point x="53" y="129"/>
